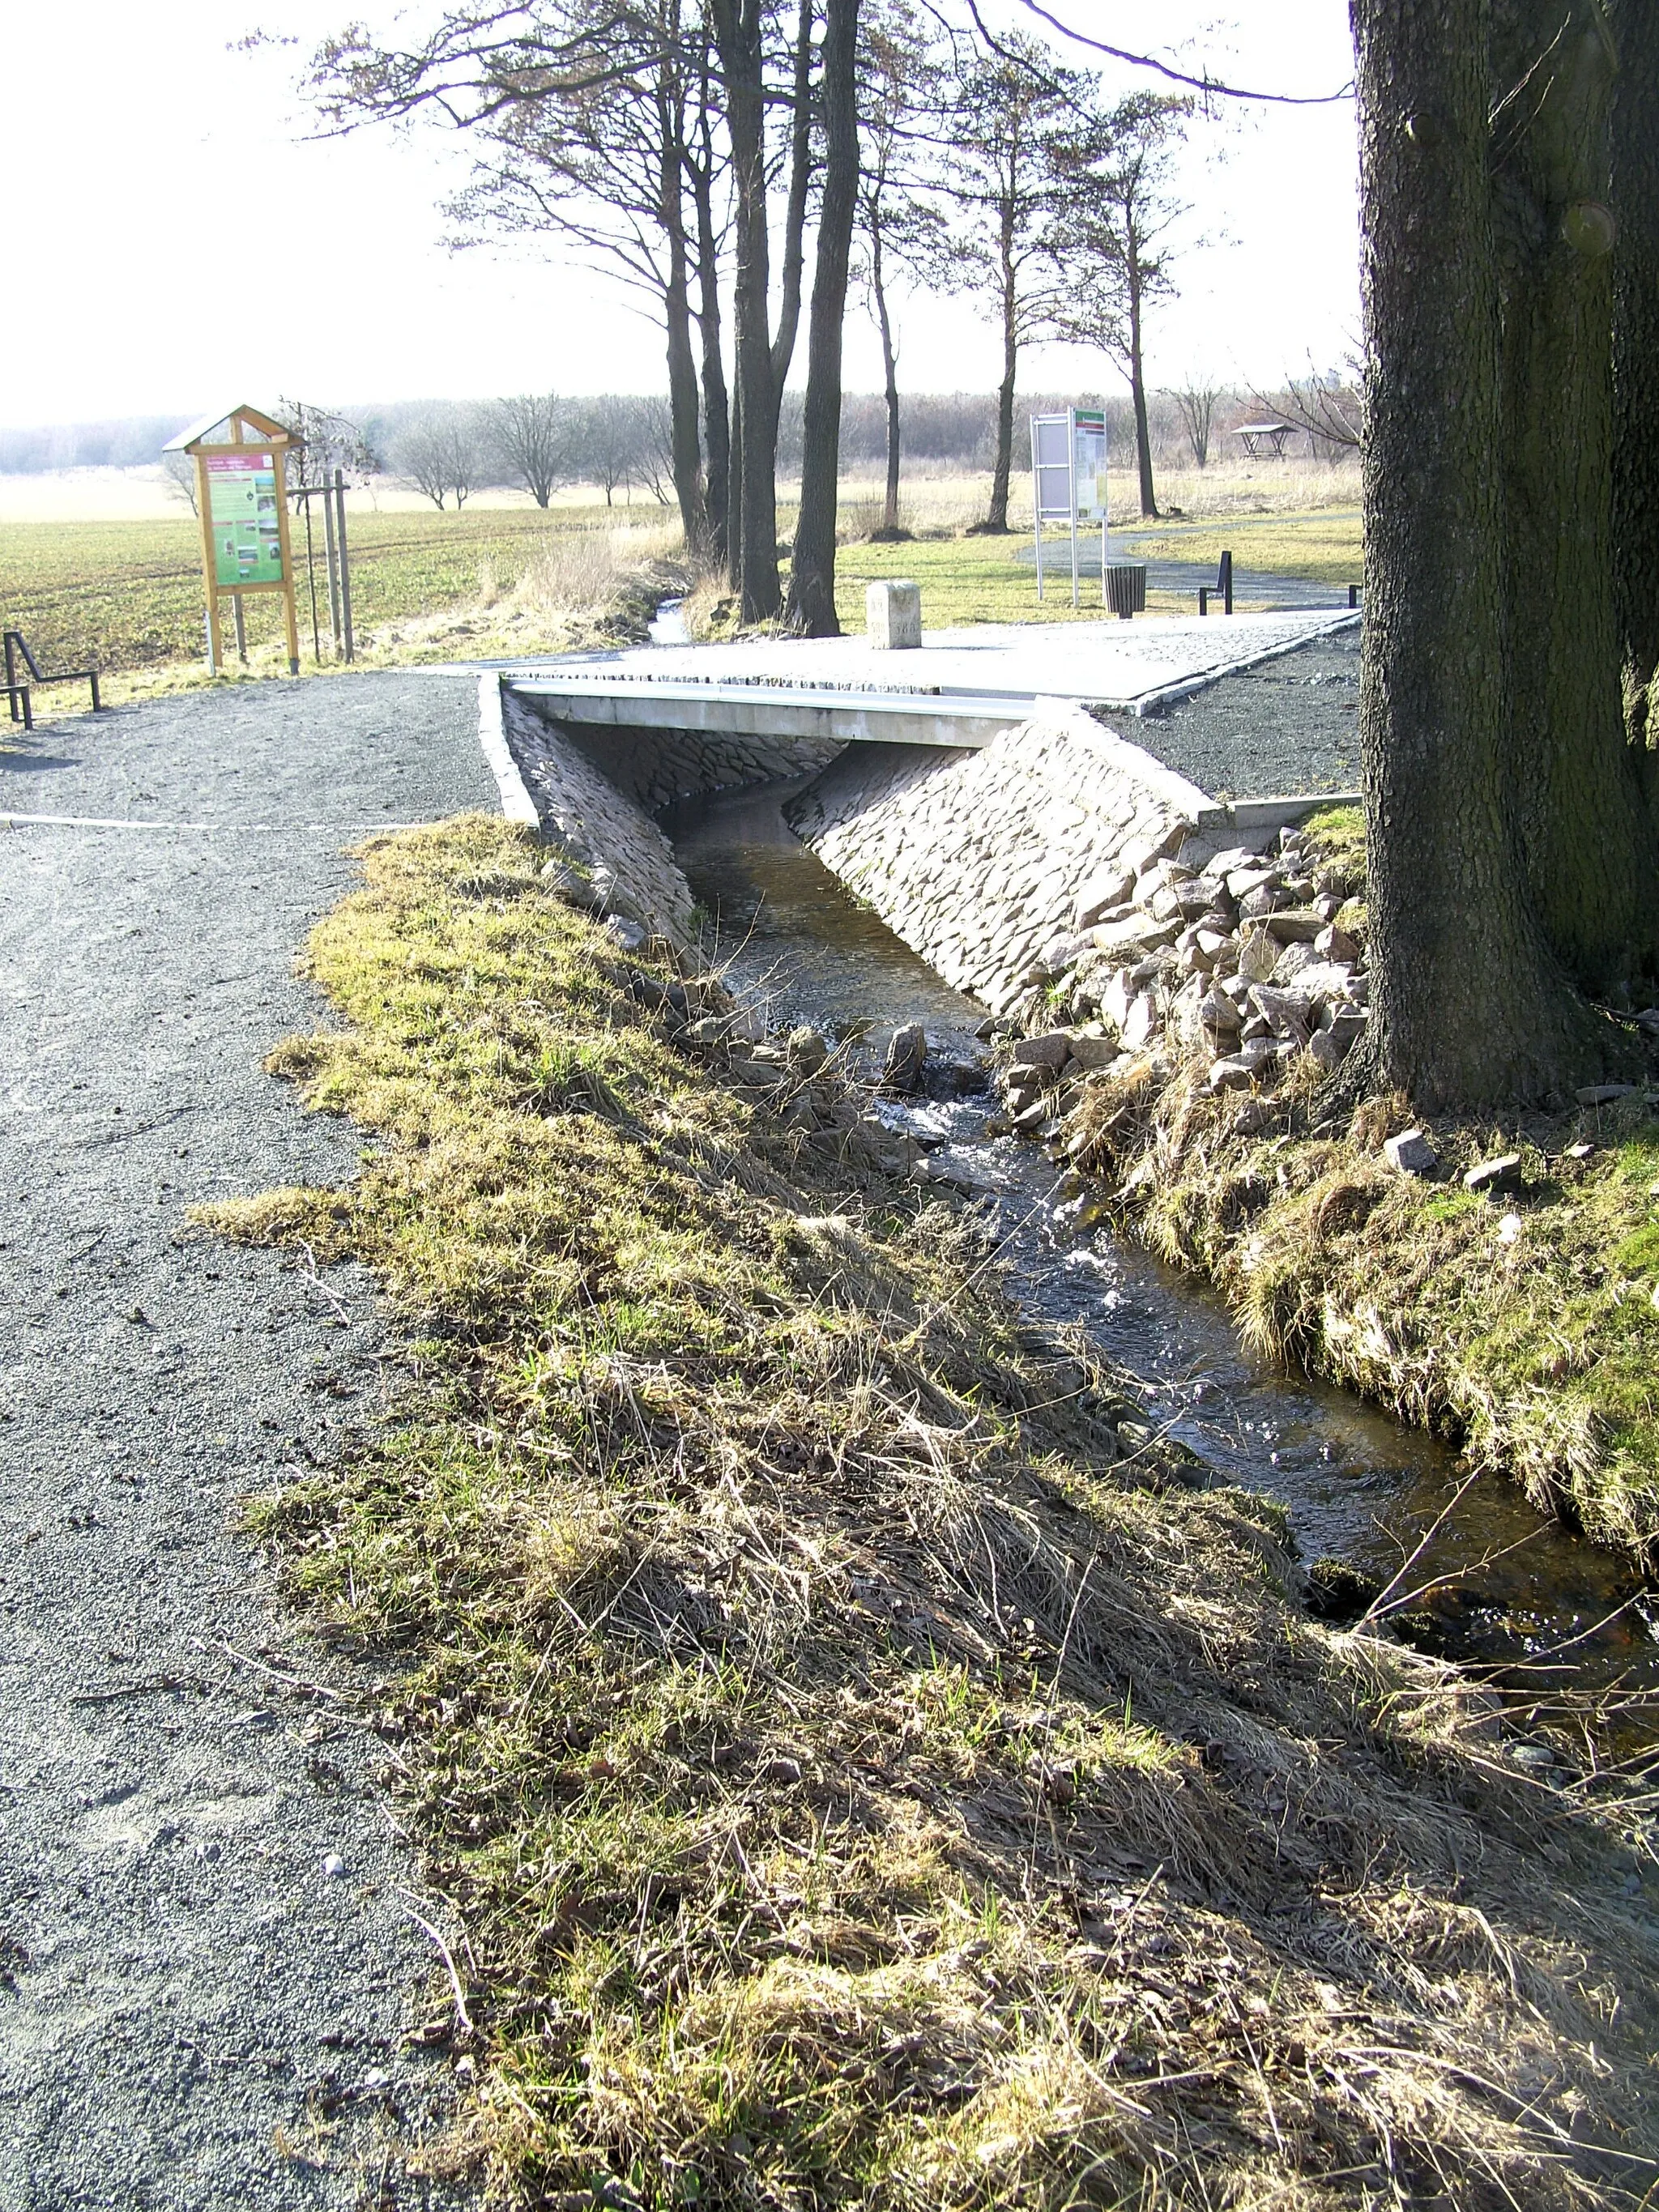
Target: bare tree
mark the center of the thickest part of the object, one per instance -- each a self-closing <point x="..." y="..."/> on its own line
<point x="1328" y="404"/>
<point x="325" y="441"/>
<point x="606" y="441"/>
<point x="583" y="115"/>
<point x="654" y="454"/>
<point x="1009" y="114"/>
<point x="179" y="469"/>
<point x="1196" y="402"/>
<point x="901" y="95"/>
<point x="1108" y="239"/>
<point x="532" y="437"/>
<point x="811" y="603"/>
<point x="443" y="455"/>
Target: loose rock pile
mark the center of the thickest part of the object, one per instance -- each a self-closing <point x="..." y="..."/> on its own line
<point x="797" y="1074"/>
<point x="1250" y="958"/>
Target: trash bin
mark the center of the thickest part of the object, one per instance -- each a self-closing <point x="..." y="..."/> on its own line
<point x="1126" y="587"/>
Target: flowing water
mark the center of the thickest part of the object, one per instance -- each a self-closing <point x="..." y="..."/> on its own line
<point x="1480" y="1577"/>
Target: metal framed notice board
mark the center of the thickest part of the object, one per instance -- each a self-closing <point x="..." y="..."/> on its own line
<point x="241" y="500"/>
<point x="1068" y="480"/>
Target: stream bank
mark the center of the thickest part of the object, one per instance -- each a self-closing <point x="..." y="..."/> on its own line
<point x="867" y="1771"/>
<point x="1472" y="1570"/>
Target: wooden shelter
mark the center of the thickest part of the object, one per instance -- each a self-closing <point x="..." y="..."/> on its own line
<point x="241" y="498"/>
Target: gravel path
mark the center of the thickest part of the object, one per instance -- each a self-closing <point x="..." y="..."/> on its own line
<point x="193" y="2012"/>
<point x="1289" y="726"/>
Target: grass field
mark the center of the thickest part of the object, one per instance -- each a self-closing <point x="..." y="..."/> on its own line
<point x="129" y="594"/>
<point x="125" y="594"/>
<point x="1325" y="546"/>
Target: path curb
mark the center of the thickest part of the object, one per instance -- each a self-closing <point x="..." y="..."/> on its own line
<point x="517" y="804"/>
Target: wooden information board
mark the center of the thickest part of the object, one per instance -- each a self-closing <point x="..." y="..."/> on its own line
<point x="241" y="500"/>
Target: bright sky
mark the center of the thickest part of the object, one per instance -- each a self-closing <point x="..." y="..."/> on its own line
<point x="174" y="242"/>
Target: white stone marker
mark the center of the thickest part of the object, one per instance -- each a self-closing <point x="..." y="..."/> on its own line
<point x="892" y="615"/>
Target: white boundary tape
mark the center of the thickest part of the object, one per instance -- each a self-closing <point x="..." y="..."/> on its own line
<point x="9" y="821"/>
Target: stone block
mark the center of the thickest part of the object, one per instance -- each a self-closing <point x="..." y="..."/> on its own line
<point x="1101" y="894"/>
<point x="1502" y="1173"/>
<point x="1411" y="1153"/>
<point x="1091" y="1053"/>
<point x="892" y="615"/>
<point x="1296" y="924"/>
<point x="1603" y="1094"/>
<point x="1052" y="1051"/>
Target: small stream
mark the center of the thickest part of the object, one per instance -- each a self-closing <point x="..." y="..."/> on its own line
<point x="1506" y="1589"/>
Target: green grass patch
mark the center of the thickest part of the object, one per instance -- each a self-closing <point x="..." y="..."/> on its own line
<point x="974" y="580"/>
<point x="1525" y="1326"/>
<point x="1326" y="548"/>
<point x="863" y="1782"/>
<point x="1534" y="1338"/>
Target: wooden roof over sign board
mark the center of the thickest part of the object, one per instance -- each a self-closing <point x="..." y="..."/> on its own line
<point x="267" y="431"/>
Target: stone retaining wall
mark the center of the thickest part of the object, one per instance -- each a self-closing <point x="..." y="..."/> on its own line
<point x="987" y="863"/>
<point x="655" y="767"/>
<point x="598" y="828"/>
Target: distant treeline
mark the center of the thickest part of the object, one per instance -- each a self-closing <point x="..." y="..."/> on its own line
<point x="940" y="429"/>
<point x="131" y="441"/>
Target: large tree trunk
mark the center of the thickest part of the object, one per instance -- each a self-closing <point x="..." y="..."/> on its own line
<point x="1635" y="194"/>
<point x="1587" y="836"/>
<point x="794" y="214"/>
<point x="996" y="521"/>
<point x="685" y="444"/>
<point x="717" y="427"/>
<point x="1467" y="1007"/>
<point x="1138" y="381"/>
<point x="752" y="518"/>
<point x="812" y="573"/>
<point x="890" y="513"/>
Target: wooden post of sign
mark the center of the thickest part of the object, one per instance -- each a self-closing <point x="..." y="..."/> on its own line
<point x="289" y="616"/>
<point x="345" y="563"/>
<point x="332" y="553"/>
<point x="209" y="570"/>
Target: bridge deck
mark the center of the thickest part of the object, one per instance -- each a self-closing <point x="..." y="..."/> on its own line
<point x="960" y="689"/>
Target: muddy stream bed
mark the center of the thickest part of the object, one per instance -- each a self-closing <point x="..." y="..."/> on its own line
<point x="1486" y="1581"/>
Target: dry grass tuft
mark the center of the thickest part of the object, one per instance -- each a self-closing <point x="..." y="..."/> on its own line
<point x="590" y="571"/>
<point x="865" y="1780"/>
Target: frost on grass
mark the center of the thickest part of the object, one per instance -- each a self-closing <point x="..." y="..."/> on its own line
<point x="861" y="1780"/>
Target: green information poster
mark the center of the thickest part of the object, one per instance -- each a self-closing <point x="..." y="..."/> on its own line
<point x="242" y="509"/>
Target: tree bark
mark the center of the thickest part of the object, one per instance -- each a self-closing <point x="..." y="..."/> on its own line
<point x="890" y="513"/>
<point x="717" y="428"/>
<point x="812" y="607"/>
<point x="996" y="522"/>
<point x="1635" y="201"/>
<point x="795" y="216"/>
<point x="1588" y="840"/>
<point x="752" y="516"/>
<point x="1138" y="381"/>
<point x="1468" y="1006"/>
<point x="685" y="446"/>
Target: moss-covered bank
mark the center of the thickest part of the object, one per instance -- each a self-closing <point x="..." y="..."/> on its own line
<point x="868" y="1775"/>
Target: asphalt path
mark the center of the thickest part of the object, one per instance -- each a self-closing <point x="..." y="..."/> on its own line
<point x="208" y="1967"/>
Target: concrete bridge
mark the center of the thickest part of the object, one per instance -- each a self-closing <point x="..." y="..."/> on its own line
<point x="960" y="690"/>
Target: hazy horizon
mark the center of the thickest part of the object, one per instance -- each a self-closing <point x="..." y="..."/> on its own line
<point x="324" y="270"/>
